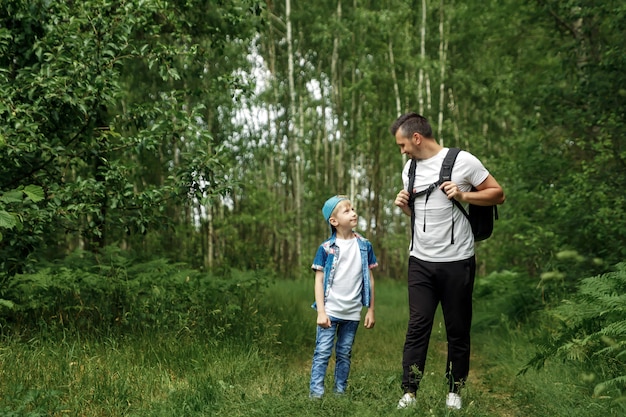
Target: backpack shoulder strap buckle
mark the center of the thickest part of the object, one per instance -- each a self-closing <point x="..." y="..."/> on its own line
<point x="448" y="163"/>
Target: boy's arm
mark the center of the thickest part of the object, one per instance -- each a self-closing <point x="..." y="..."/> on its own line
<point x="322" y="318"/>
<point x="369" y="316"/>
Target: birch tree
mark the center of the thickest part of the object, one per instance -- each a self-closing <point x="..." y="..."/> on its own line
<point x="443" y="50"/>
<point x="294" y="136"/>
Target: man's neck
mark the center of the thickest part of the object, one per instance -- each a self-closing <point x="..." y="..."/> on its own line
<point x="430" y="148"/>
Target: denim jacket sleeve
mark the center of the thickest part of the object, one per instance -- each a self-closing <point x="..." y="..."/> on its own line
<point x="325" y="261"/>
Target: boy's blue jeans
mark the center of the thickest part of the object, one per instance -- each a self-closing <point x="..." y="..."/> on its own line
<point x="345" y="330"/>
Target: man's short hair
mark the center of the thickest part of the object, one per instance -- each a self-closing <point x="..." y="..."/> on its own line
<point x="411" y="123"/>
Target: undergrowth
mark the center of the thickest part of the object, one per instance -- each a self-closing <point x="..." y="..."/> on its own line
<point x="119" y="337"/>
<point x="585" y="333"/>
<point x="110" y="293"/>
<point x="590" y="328"/>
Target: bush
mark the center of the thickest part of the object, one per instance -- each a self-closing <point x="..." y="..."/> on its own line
<point x="111" y="292"/>
<point x="514" y="296"/>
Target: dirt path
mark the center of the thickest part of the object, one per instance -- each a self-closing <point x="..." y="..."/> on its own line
<point x="479" y="380"/>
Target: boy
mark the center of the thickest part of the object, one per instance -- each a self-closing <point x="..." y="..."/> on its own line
<point x="343" y="285"/>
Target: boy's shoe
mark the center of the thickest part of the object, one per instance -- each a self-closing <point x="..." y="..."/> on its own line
<point x="454" y="401"/>
<point x="315" y="396"/>
<point x="407" y="400"/>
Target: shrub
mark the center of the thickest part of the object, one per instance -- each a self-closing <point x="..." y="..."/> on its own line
<point x="512" y="295"/>
<point x="111" y="292"/>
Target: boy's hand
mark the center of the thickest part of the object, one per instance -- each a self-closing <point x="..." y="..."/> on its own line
<point x="323" y="320"/>
<point x="369" y="320"/>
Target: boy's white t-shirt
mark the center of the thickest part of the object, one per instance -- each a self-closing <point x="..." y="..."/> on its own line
<point x="344" y="296"/>
<point x="433" y="219"/>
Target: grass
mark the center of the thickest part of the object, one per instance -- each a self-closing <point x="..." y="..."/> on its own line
<point x="183" y="375"/>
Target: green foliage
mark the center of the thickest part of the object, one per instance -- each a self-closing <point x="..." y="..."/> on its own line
<point x="590" y="327"/>
<point x="19" y="199"/>
<point x="137" y="118"/>
<point x="560" y="276"/>
<point x="110" y="293"/>
<point x="506" y="296"/>
<point x="579" y="114"/>
<point x="111" y="165"/>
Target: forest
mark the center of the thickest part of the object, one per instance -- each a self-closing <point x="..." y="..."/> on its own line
<point x="163" y="163"/>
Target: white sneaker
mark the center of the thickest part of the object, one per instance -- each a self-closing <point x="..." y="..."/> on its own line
<point x="454" y="401"/>
<point x="407" y="400"/>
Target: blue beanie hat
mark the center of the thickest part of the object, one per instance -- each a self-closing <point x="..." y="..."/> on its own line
<point x="329" y="206"/>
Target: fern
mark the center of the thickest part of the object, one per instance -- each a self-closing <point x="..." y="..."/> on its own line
<point x="615" y="383"/>
<point x="591" y="328"/>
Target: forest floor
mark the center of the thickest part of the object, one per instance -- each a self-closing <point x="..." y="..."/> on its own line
<point x="182" y="374"/>
<point x="495" y="386"/>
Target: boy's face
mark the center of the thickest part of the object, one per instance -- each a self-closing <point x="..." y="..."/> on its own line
<point x="344" y="216"/>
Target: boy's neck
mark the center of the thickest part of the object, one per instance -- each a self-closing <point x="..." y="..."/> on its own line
<point x="344" y="234"/>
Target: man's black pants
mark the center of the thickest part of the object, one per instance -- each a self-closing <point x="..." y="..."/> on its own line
<point x="431" y="283"/>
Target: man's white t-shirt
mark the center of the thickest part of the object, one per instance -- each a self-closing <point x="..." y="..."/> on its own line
<point x="434" y="219"/>
<point x="344" y="297"/>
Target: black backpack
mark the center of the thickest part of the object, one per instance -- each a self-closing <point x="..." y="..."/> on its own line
<point x="480" y="217"/>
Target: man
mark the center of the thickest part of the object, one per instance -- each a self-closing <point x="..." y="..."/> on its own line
<point x="442" y="265"/>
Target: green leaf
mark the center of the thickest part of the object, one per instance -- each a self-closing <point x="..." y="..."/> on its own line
<point x="7" y="220"/>
<point x="34" y="192"/>
<point x="13" y="196"/>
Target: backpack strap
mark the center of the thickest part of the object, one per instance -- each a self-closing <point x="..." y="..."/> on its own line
<point x="445" y="174"/>
<point x="412" y="196"/>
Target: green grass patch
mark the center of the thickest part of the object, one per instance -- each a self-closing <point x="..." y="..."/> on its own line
<point x="188" y="374"/>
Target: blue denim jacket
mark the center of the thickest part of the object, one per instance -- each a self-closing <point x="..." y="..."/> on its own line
<point x="326" y="260"/>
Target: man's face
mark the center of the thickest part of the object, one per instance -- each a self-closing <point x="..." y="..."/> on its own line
<point x="408" y="145"/>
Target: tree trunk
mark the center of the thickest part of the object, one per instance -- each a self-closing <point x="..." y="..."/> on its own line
<point x="420" y="86"/>
<point x="394" y="78"/>
<point x="293" y="135"/>
<point x="337" y="100"/>
<point x="443" y="51"/>
<point x="455" y="119"/>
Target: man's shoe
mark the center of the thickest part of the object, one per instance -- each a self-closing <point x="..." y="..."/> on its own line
<point x="407" y="400"/>
<point x="454" y="401"/>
